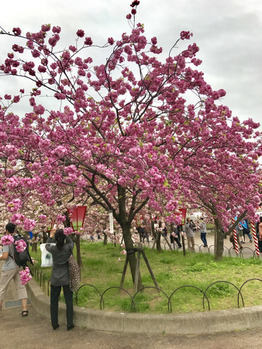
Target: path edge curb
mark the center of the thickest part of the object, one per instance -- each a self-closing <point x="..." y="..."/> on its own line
<point x="177" y="324"/>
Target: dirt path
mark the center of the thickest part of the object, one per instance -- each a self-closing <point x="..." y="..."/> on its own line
<point x="35" y="332"/>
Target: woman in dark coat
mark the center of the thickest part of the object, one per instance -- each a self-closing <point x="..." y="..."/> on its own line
<point x="61" y="251"/>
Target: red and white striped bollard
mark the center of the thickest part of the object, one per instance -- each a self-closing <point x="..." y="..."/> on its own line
<point x="255" y="238"/>
<point x="235" y="238"/>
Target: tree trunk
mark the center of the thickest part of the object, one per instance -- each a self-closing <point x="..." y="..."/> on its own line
<point x="131" y="254"/>
<point x="158" y="241"/>
<point x="219" y="240"/>
<point x="45" y="237"/>
<point x="124" y="221"/>
<point x="105" y="238"/>
<point x="34" y="246"/>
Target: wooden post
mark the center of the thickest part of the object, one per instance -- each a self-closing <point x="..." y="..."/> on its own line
<point x="137" y="270"/>
<point x="78" y="255"/>
<point x="168" y="242"/>
<point x="183" y="244"/>
<point x="149" y="268"/>
<point x="124" y="272"/>
<point x="139" y="251"/>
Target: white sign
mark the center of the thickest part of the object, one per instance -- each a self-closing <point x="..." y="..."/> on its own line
<point x="111" y="223"/>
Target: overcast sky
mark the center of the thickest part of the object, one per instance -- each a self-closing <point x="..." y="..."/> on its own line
<point x="228" y="32"/>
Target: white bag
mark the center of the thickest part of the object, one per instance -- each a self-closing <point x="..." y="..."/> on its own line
<point x="46" y="257"/>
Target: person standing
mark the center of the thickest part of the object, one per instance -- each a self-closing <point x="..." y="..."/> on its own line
<point x="239" y="230"/>
<point x="193" y="225"/>
<point x="190" y="236"/>
<point x="10" y="271"/>
<point x="175" y="237"/>
<point x="143" y="234"/>
<point x="61" y="251"/>
<point x="246" y="230"/>
<point x="203" y="231"/>
<point x="259" y="233"/>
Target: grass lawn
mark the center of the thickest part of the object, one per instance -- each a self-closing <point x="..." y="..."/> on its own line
<point x="172" y="270"/>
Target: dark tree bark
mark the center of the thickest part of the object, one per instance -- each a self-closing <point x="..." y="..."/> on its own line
<point x="105" y="238"/>
<point x="219" y="240"/>
<point x="125" y="221"/>
<point x="220" y="235"/>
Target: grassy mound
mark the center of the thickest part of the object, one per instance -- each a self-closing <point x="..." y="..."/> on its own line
<point x="186" y="278"/>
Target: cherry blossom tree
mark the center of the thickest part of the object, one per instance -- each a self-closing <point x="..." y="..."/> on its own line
<point x="227" y="179"/>
<point x="120" y="132"/>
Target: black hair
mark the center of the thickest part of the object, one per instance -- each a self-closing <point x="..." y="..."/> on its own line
<point x="10" y="227"/>
<point x="59" y="238"/>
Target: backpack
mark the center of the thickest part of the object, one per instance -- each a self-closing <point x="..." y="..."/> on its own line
<point x="21" y="258"/>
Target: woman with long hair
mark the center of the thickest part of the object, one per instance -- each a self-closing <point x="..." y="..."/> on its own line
<point x="61" y="251"/>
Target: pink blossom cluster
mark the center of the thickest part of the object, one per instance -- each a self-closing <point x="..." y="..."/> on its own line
<point x="7" y="240"/>
<point x="171" y="206"/>
<point x="29" y="224"/>
<point x="133" y="5"/>
<point x="60" y="219"/>
<point x="20" y="220"/>
<point x="20" y="245"/>
<point x="68" y="231"/>
<point x="17" y="219"/>
<point x="25" y="276"/>
<point x="42" y="217"/>
<point x="15" y="205"/>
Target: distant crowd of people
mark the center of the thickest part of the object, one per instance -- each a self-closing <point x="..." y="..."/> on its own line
<point x="174" y="233"/>
<point x="188" y="229"/>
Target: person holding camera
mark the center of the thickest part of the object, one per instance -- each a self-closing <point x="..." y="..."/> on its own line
<point x="61" y="251"/>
